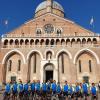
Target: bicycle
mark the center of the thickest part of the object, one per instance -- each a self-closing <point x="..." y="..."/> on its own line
<point x="6" y="96"/>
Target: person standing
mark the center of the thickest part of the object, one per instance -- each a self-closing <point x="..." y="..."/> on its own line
<point x="53" y="87"/>
<point x="26" y="90"/>
<point x="44" y="89"/>
<point x="7" y="91"/>
<point x="93" y="90"/>
<point x="65" y="89"/>
<point x="85" y="90"/>
<point x="20" y="90"/>
<point x="14" y="90"/>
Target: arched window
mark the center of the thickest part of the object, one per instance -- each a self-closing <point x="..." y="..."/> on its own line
<point x="80" y="67"/>
<point x="21" y="42"/>
<point x="73" y="42"/>
<point x="9" y="65"/>
<point x="38" y="31"/>
<point x="63" y="42"/>
<point x="42" y="42"/>
<point x="5" y="43"/>
<point x="83" y="41"/>
<point x="11" y="42"/>
<point x="90" y="68"/>
<point x="58" y="32"/>
<point x="52" y="43"/>
<point x="89" y="41"/>
<point x="19" y="65"/>
<point x="35" y="59"/>
<point x="47" y="42"/>
<point x="26" y="42"/>
<point x="36" y="42"/>
<point x="16" y="42"/>
<point x="62" y="60"/>
<point x="49" y="55"/>
<point x="58" y="42"/>
<point x="68" y="42"/>
<point x="31" y="42"/>
<point x="94" y="41"/>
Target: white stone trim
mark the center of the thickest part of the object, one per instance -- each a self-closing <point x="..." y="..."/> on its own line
<point x="34" y="51"/>
<point x="14" y="50"/>
<point x="87" y="50"/>
<point x="64" y="50"/>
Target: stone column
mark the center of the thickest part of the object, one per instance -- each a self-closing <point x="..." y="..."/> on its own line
<point x="42" y="71"/>
<point x="55" y="74"/>
<point x="73" y="72"/>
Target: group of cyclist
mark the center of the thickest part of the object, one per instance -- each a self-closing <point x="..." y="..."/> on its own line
<point x="35" y="88"/>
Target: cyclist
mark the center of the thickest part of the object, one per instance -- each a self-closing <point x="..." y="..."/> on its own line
<point x="38" y="88"/>
<point x="93" y="90"/>
<point x="65" y="89"/>
<point x="26" y="90"/>
<point x="81" y="90"/>
<point x="32" y="86"/>
<point x="44" y="89"/>
<point x="58" y="89"/>
<point x="71" y="91"/>
<point x="20" y="89"/>
<point x="53" y="87"/>
<point x="48" y="87"/>
<point x="77" y="90"/>
<point x="14" y="90"/>
<point x="7" y="91"/>
<point x="85" y="89"/>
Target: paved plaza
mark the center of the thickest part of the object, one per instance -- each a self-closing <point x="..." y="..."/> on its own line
<point x="1" y="96"/>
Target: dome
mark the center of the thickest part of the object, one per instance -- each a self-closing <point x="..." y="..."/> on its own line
<point x="43" y="5"/>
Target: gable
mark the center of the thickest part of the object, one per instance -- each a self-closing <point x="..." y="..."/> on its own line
<point x="69" y="28"/>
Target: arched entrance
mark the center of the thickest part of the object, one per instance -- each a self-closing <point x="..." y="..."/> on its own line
<point x="48" y="72"/>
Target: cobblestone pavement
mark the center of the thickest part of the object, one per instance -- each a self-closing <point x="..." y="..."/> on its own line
<point x="1" y="96"/>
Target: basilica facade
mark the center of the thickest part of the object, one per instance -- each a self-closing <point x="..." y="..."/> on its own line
<point x="50" y="46"/>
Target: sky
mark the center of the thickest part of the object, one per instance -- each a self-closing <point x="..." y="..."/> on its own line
<point x="17" y="12"/>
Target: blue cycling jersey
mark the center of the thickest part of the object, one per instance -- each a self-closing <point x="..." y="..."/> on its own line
<point x="48" y="86"/>
<point x="85" y="88"/>
<point x="66" y="88"/>
<point x="33" y="86"/>
<point x="26" y="87"/>
<point x="15" y="87"/>
<point x="7" y="88"/>
<point x="44" y="87"/>
<point x="37" y="86"/>
<point x="53" y="86"/>
<point x="93" y="90"/>
<point x="77" y="88"/>
<point x="20" y="87"/>
<point x="58" y="89"/>
<point x="71" y="90"/>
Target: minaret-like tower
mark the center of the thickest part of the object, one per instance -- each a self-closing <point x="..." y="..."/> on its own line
<point x="49" y="5"/>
